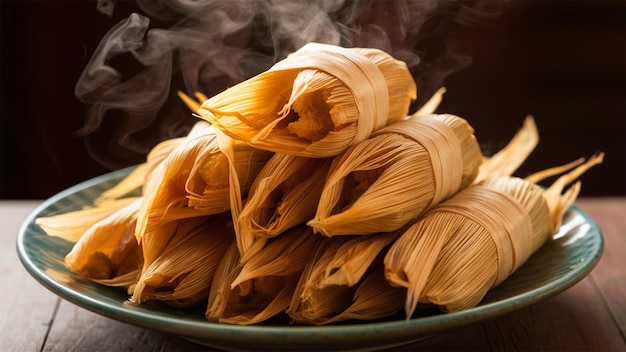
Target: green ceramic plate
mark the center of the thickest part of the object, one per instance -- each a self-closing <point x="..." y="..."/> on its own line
<point x="555" y="267"/>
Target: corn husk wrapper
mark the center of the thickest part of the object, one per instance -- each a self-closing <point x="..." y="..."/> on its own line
<point x="227" y="269"/>
<point x="71" y="226"/>
<point x="264" y="285"/>
<point x="107" y="252"/>
<point x="345" y="261"/>
<point x="558" y="202"/>
<point x="165" y="189"/>
<point x="381" y="184"/>
<point x="316" y="102"/>
<point x="475" y="240"/>
<point x="315" y="306"/>
<point x="195" y="180"/>
<point x="182" y="274"/>
<point x="371" y="298"/>
<point x="166" y="201"/>
<point x="284" y="194"/>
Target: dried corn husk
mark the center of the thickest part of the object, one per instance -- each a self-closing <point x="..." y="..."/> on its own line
<point x="381" y="184"/>
<point x="264" y="285"/>
<point x="195" y="180"/>
<point x="556" y="170"/>
<point x="509" y="158"/>
<point x="71" y="226"/>
<point x="227" y="269"/>
<point x="193" y="105"/>
<point x="132" y="182"/>
<point x="107" y="252"/>
<point x="310" y="305"/>
<point x="346" y="259"/>
<point x="431" y="105"/>
<point x="166" y="198"/>
<point x="316" y="102"/>
<point x="371" y="298"/>
<point x="182" y="274"/>
<point x="473" y="241"/>
<point x="284" y="194"/>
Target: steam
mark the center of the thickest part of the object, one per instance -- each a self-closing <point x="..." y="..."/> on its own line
<point x="208" y="46"/>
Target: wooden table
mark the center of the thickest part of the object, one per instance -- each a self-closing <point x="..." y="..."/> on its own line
<point x="591" y="315"/>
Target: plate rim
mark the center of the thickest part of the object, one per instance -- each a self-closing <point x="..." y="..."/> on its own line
<point x="414" y="329"/>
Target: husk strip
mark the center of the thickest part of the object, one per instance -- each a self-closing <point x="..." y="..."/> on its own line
<point x="71" y="226"/>
<point x="506" y="161"/>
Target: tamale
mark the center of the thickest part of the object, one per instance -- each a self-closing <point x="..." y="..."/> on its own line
<point x="182" y="274"/>
<point x="350" y="261"/>
<point x="316" y="102"/>
<point x="348" y="258"/>
<point x="284" y="194"/>
<point x="166" y="198"/>
<point x="264" y="285"/>
<point x="382" y="183"/>
<point x="473" y="241"/>
<point x="371" y="298"/>
<point x="309" y="304"/>
<point x="107" y="252"/>
<point x="193" y="180"/>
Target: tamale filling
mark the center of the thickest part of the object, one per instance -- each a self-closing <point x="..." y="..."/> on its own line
<point x="313" y="120"/>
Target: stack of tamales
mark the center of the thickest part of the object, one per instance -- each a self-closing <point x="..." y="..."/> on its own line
<point x="308" y="191"/>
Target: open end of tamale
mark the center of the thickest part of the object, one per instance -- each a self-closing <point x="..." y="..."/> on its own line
<point x="319" y="104"/>
<point x="355" y="184"/>
<point x="272" y="207"/>
<point x="108" y="249"/>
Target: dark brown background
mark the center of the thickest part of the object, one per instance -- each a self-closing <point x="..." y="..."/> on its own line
<point x="562" y="61"/>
